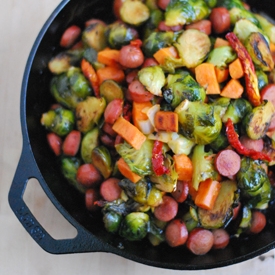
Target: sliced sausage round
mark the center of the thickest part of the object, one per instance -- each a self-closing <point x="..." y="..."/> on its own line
<point x="167" y="210"/>
<point x="176" y="233"/>
<point x="220" y="19"/>
<point x="91" y="196"/>
<point x="110" y="190"/>
<point x="88" y="175"/>
<point x="258" y="222"/>
<point x="221" y="238"/>
<point x="255" y="144"/>
<point x="181" y="192"/>
<point x="138" y="93"/>
<point x="113" y="110"/>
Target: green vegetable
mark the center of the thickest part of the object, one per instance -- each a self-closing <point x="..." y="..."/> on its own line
<point x="189" y="221"/>
<point x="267" y="27"/>
<point x="156" y="231"/>
<point x="88" y="143"/>
<point x="60" y="121"/>
<point x="222" y="56"/>
<point x="112" y="221"/>
<point x="198" y="121"/>
<point x="193" y="47"/>
<point x="157" y="40"/>
<point x="153" y="79"/>
<point x="203" y="165"/>
<point x="211" y="3"/>
<point x="181" y="145"/>
<point x="110" y="90"/>
<point x="262" y="78"/>
<point x="222" y="212"/>
<point x="229" y="4"/>
<point x="181" y="12"/>
<point x="119" y="34"/>
<point x="237" y="110"/>
<point x="134" y="226"/>
<point x="183" y="88"/>
<point x="156" y="16"/>
<point x="241" y="13"/>
<point x="254" y="183"/>
<point x="139" y="161"/>
<point x="259" y="50"/>
<point x="143" y="192"/>
<point x="257" y="121"/>
<point x="70" y="88"/>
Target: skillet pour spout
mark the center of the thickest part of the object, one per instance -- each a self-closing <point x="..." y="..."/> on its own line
<point x="38" y="162"/>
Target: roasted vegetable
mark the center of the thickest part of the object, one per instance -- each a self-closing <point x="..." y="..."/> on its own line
<point x="257" y="121"/>
<point x="241" y="13"/>
<point x="134" y="226"/>
<point x="267" y="27"/>
<point x="143" y="192"/>
<point x="183" y="88"/>
<point x="156" y="16"/>
<point x="70" y="88"/>
<point x="262" y="78"/>
<point x="110" y="90"/>
<point x="229" y="4"/>
<point x="139" y="161"/>
<point x="193" y="47"/>
<point x="60" y="121"/>
<point x="258" y="49"/>
<point x="112" y="221"/>
<point x="89" y="112"/>
<point x="180" y="144"/>
<point x="181" y="12"/>
<point x="119" y="34"/>
<point x="199" y="122"/>
<point x="221" y="56"/>
<point x="153" y="79"/>
<point x="254" y="183"/>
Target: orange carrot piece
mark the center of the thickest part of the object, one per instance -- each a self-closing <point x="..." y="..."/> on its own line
<point x="129" y="132"/>
<point x="272" y="47"/>
<point x="207" y="194"/>
<point x="183" y="166"/>
<point x="109" y="57"/>
<point x="192" y="191"/>
<point x="221" y="74"/>
<point x="167" y="121"/>
<point x="236" y="69"/>
<point x="125" y="170"/>
<point x="233" y="89"/>
<point x="110" y="73"/>
<point x="221" y="43"/>
<point x="90" y="73"/>
<point x="163" y="53"/>
<point x="206" y="77"/>
<point x="137" y="114"/>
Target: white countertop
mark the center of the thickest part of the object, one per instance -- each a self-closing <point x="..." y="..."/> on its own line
<point x="20" y="22"/>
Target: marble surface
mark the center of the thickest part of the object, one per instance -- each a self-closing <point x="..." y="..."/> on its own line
<point x="20" y="22"/>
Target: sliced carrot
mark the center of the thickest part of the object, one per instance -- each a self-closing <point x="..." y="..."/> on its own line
<point x="183" y="166"/>
<point x="90" y="73"/>
<point x="236" y="69"/>
<point x="221" y="74"/>
<point x="55" y="143"/>
<point x="206" y="77"/>
<point x="109" y="57"/>
<point x="137" y="112"/>
<point x="166" y="121"/>
<point x="125" y="170"/>
<point x="207" y="194"/>
<point x="109" y="72"/>
<point x="129" y="132"/>
<point x="233" y="89"/>
<point x="71" y="143"/>
<point x="164" y="53"/>
<point x="219" y="42"/>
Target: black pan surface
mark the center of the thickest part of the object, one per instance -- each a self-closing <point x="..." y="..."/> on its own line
<point x="38" y="162"/>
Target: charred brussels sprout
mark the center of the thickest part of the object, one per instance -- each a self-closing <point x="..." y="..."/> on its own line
<point x="89" y="112"/>
<point x="237" y="110"/>
<point x="156" y="41"/>
<point x="64" y="60"/>
<point x="181" y="12"/>
<point x="134" y="12"/>
<point x="199" y="122"/>
<point x="262" y="79"/>
<point x="143" y="192"/>
<point x="193" y="47"/>
<point x="69" y="167"/>
<point x="222" y="56"/>
<point x="60" y="121"/>
<point x="119" y="34"/>
<point x="267" y="27"/>
<point x="156" y="16"/>
<point x="94" y="36"/>
<point x="254" y="183"/>
<point x="153" y="79"/>
<point x="110" y="90"/>
<point x="139" y="161"/>
<point x="257" y="121"/>
<point x="241" y="13"/>
<point x="259" y="50"/>
<point x="70" y="88"/>
<point x="134" y="226"/>
<point x="185" y="88"/>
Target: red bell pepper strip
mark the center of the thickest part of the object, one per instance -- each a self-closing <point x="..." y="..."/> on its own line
<point x="234" y="141"/>
<point x="158" y="159"/>
<point x="250" y="76"/>
<point x="90" y="73"/>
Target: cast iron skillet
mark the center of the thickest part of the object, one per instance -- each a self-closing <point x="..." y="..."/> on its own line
<point x="38" y="162"/>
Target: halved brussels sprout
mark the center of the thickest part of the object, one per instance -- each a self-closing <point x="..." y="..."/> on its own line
<point x="110" y="90"/>
<point x="88" y="143"/>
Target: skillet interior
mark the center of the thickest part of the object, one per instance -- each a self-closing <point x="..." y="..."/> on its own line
<point x="36" y="99"/>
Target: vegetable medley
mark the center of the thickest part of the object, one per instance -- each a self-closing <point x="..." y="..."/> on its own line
<point x="164" y="120"/>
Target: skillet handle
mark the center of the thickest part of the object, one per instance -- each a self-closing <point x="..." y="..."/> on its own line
<point x="83" y="242"/>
